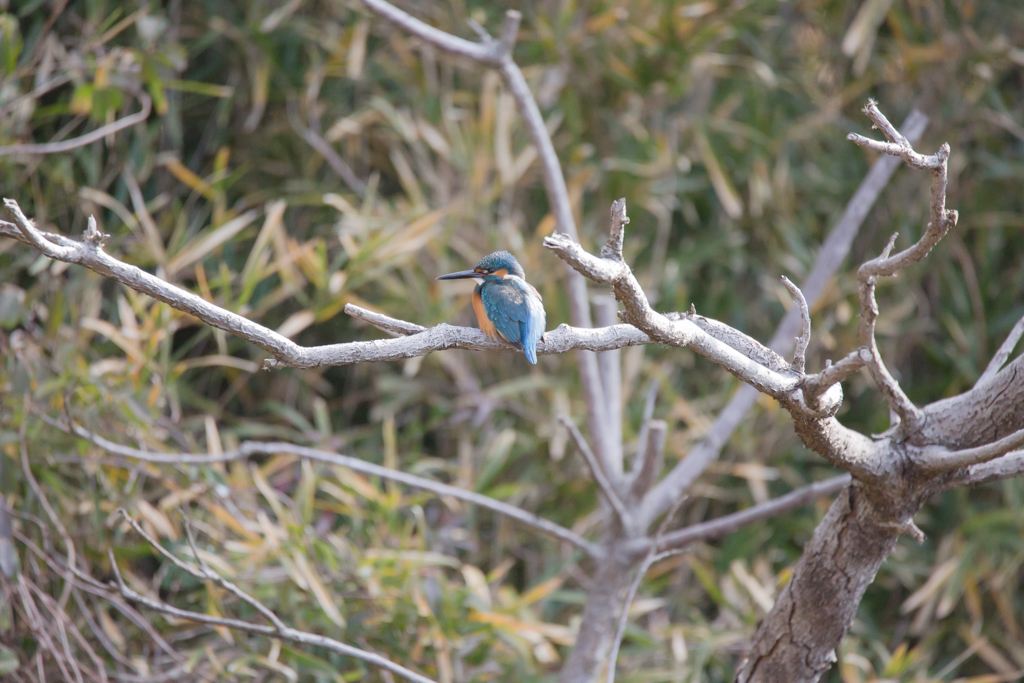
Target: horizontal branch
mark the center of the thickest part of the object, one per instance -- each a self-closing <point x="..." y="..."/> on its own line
<point x="727" y="524"/>
<point x="940" y="459"/>
<point x="562" y="339"/>
<point x="88" y="138"/>
<point x="249" y="448"/>
<point x="418" y="340"/>
<point x="1005" y="467"/>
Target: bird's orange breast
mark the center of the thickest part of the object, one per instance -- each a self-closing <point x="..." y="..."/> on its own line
<point x="482" y="320"/>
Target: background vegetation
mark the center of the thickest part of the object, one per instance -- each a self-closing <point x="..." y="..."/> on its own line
<point x="722" y="123"/>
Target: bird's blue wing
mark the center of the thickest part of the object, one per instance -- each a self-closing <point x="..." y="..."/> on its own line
<point x="516" y="312"/>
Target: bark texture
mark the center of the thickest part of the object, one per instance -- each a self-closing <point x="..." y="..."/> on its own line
<point x="605" y="595"/>
<point x="797" y="640"/>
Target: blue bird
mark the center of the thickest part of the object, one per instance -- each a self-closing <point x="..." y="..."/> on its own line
<point x="505" y="304"/>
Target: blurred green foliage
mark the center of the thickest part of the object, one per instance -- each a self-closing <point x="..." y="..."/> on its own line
<point x="722" y="123"/>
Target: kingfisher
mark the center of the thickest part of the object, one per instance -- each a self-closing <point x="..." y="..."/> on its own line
<point x="505" y="304"/>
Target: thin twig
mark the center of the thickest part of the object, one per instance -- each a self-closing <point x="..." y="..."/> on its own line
<point x="1005" y="467"/>
<point x="899" y="403"/>
<point x="940" y="459"/>
<point x="999" y="359"/>
<point x="383" y="322"/>
<point x="600" y="476"/>
<point x="816" y="384"/>
<point x="94" y="587"/>
<point x="203" y="572"/>
<point x="287" y="633"/>
<point x="799" y="355"/>
<point x="315" y="140"/>
<point x="88" y="138"/>
<point x="941" y="220"/>
<point x="250" y="448"/>
<point x="650" y="464"/>
<point x="69" y="546"/>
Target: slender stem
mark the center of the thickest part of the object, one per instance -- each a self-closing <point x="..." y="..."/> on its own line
<point x="250" y="448"/>
<point x="287" y="633"/>
<point x="610" y="365"/>
<point x="88" y="138"/>
<point x="940" y="459"/>
<point x="600" y="476"/>
<point x="815" y="385"/>
<point x="799" y="355"/>
<point x="1005" y="349"/>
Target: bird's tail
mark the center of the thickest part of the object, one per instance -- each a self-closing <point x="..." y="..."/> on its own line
<point x="530" y="350"/>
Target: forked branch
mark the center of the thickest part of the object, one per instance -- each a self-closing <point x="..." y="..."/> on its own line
<point x="941" y="220"/>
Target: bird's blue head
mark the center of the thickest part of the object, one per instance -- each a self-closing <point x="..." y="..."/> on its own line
<point x="491" y="267"/>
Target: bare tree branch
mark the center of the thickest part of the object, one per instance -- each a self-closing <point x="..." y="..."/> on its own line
<point x="833" y="374"/>
<point x="610" y="364"/>
<point x="831" y="256"/>
<point x="800" y="354"/>
<point x="204" y="572"/>
<point x="600" y="476"/>
<point x="999" y="359"/>
<point x="1005" y="467"/>
<point x="652" y="459"/>
<point x="249" y="448"/>
<point x="941" y="221"/>
<point x="88" y="138"/>
<point x="727" y="524"/>
<point x="311" y="134"/>
<point x="940" y="459"/>
<point x="673" y="332"/>
<point x="418" y="341"/>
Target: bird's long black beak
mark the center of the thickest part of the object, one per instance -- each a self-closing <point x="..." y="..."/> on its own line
<point x="462" y="274"/>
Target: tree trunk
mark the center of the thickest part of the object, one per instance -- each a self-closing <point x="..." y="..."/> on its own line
<point x="796" y="642"/>
<point x="599" y="621"/>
